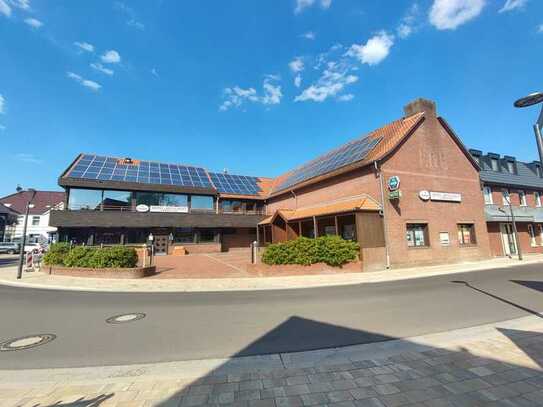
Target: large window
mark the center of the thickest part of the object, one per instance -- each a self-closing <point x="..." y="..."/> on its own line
<point x="466" y="234"/>
<point x="206" y="236"/>
<point x="417" y="235"/>
<point x="522" y="198"/>
<point x="87" y="199"/>
<point x="175" y="200"/>
<point x="183" y="235"/>
<point x="201" y="202"/>
<point x="117" y="200"/>
<point x="487" y="192"/>
<point x="148" y="198"/>
<point x="531" y="232"/>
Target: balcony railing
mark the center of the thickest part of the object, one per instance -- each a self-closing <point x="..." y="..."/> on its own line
<point x="130" y="208"/>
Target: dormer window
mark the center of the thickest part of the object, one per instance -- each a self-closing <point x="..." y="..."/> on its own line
<point x="495" y="164"/>
<point x="510" y="167"/>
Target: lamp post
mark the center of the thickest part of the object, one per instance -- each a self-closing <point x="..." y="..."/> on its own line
<point x="530" y="100"/>
<point x="22" y="250"/>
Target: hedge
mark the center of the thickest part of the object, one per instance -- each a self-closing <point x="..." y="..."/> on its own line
<point x="92" y="257"/>
<point x="332" y="250"/>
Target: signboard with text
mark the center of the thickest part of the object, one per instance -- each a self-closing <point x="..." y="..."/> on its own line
<point x="169" y="209"/>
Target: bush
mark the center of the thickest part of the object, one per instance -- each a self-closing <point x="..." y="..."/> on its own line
<point x="332" y="250"/>
<point x="56" y="254"/>
<point x="82" y="256"/>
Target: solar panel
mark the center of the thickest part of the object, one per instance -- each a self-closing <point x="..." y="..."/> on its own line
<point x="349" y="153"/>
<point x="235" y="184"/>
<point x="146" y="172"/>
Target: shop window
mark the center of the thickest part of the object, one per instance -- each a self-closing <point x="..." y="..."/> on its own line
<point x="148" y="198"/>
<point x="206" y="236"/>
<point x="201" y="202"/>
<point x="117" y="200"/>
<point x="522" y="198"/>
<point x="487" y="192"/>
<point x="35" y="220"/>
<point x="84" y="199"/>
<point x="537" y="198"/>
<point x="466" y="234"/>
<point x="330" y="230"/>
<point x="531" y="232"/>
<point x="417" y="235"/>
<point x="183" y="235"/>
<point x="506" y="197"/>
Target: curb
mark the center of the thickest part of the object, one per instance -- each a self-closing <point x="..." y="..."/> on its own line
<point x="355" y="279"/>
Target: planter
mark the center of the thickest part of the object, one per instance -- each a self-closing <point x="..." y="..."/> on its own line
<point x="117" y="273"/>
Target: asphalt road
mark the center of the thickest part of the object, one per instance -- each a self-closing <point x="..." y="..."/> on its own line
<point x="207" y="325"/>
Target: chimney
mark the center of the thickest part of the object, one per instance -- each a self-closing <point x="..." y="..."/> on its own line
<point x="420" y="105"/>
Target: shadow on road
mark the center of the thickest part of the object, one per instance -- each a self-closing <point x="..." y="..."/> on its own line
<point x="81" y="402"/>
<point x="534" y="285"/>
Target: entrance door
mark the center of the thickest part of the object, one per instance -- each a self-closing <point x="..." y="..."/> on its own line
<point x="161" y="244"/>
<point x="508" y="239"/>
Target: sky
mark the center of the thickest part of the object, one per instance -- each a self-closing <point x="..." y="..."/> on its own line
<point x="254" y="87"/>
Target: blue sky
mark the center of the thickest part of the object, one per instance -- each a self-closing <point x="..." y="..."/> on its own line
<point x="256" y="87"/>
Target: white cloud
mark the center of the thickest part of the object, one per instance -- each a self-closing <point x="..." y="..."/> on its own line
<point x="301" y="5"/>
<point x="298" y="81"/>
<point x="236" y="96"/>
<point x="2" y="105"/>
<point x="374" y="51"/>
<point x="345" y="98"/>
<point x="296" y="65"/>
<point x="28" y="158"/>
<point x="407" y="25"/>
<point x="111" y="57"/>
<point x="101" y="68"/>
<point x="84" y="82"/>
<point x="512" y="5"/>
<point x="85" y="46"/>
<point x="5" y="9"/>
<point x="332" y="82"/>
<point x="34" y="23"/>
<point x="449" y="14"/>
<point x="310" y="35"/>
<point x="130" y="13"/>
<point x="22" y="4"/>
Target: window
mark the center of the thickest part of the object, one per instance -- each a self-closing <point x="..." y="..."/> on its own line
<point x="444" y="238"/>
<point x="85" y="199"/>
<point x="206" y="236"/>
<point x="511" y="167"/>
<point x="175" y="200"/>
<point x="541" y="235"/>
<point x="117" y="200"/>
<point x="148" y="198"/>
<point x="537" y="198"/>
<point x="495" y="164"/>
<point x="531" y="232"/>
<point x="35" y="220"/>
<point x="330" y="230"/>
<point x="201" y="202"/>
<point x="466" y="234"/>
<point x="506" y="197"/>
<point x="487" y="192"/>
<point x="183" y="235"/>
<point x="417" y="235"/>
<point x="522" y="198"/>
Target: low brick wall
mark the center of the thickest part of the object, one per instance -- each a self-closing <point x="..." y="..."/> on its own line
<point x="119" y="273"/>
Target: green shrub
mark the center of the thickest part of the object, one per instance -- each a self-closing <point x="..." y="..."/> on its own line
<point x="79" y="256"/>
<point x="114" y="257"/>
<point x="56" y="254"/>
<point x="332" y="250"/>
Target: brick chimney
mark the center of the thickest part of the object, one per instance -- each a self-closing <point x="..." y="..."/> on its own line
<point x="420" y="105"/>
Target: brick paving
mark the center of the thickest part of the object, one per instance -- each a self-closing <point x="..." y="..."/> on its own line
<point x="503" y="369"/>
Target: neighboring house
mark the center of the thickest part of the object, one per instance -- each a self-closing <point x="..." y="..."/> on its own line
<point x="38" y="229"/>
<point x="506" y="182"/>
<point x="7" y="218"/>
<point x="409" y="189"/>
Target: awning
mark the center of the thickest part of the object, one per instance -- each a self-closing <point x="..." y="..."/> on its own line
<point x="495" y="213"/>
<point x="353" y="204"/>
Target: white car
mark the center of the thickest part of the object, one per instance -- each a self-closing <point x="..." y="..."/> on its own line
<point x="32" y="246"/>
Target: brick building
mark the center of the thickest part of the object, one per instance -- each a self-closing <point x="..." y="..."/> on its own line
<point x="511" y="185"/>
<point x="409" y="193"/>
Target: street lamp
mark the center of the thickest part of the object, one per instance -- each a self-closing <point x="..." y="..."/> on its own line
<point x="22" y="250"/>
<point x="530" y="100"/>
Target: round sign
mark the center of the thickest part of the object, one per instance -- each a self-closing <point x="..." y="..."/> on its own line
<point x="142" y="208"/>
<point x="393" y="183"/>
<point x="424" y="195"/>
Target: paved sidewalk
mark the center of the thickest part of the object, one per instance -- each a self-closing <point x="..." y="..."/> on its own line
<point x="493" y="365"/>
<point x="41" y="280"/>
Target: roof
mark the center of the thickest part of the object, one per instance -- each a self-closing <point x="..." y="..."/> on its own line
<point x="5" y="210"/>
<point x="43" y="201"/>
<point x="381" y="142"/>
<point x="526" y="173"/>
<point x="352" y="204"/>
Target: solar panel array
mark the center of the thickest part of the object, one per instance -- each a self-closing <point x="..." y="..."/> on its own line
<point x="146" y="172"/>
<point x="349" y="153"/>
<point x="235" y="184"/>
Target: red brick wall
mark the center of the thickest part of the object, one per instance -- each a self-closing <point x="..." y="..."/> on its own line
<point x="431" y="160"/>
<point x="241" y="239"/>
<point x="495" y="238"/>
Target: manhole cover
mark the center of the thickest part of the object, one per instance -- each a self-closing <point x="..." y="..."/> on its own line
<point x="124" y="318"/>
<point x="26" y="342"/>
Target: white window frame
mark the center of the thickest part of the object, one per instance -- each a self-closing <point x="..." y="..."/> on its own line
<point x="522" y="198"/>
<point x="487" y="193"/>
<point x="494" y="164"/>
<point x="541" y="235"/>
<point x="510" y="167"/>
<point x="531" y="232"/>
<point x="537" y="198"/>
<point x="506" y="197"/>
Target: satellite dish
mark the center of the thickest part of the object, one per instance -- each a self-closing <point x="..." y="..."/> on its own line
<point x="530" y="100"/>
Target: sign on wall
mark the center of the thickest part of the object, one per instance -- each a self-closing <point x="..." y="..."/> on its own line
<point x="393" y="183"/>
<point x="169" y="209"/>
<point x="440" y="196"/>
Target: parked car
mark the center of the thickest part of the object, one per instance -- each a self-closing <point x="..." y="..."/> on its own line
<point x="9" y="248"/>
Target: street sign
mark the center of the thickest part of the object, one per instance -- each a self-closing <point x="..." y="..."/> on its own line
<point x="394" y="195"/>
<point x="393" y="183"/>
